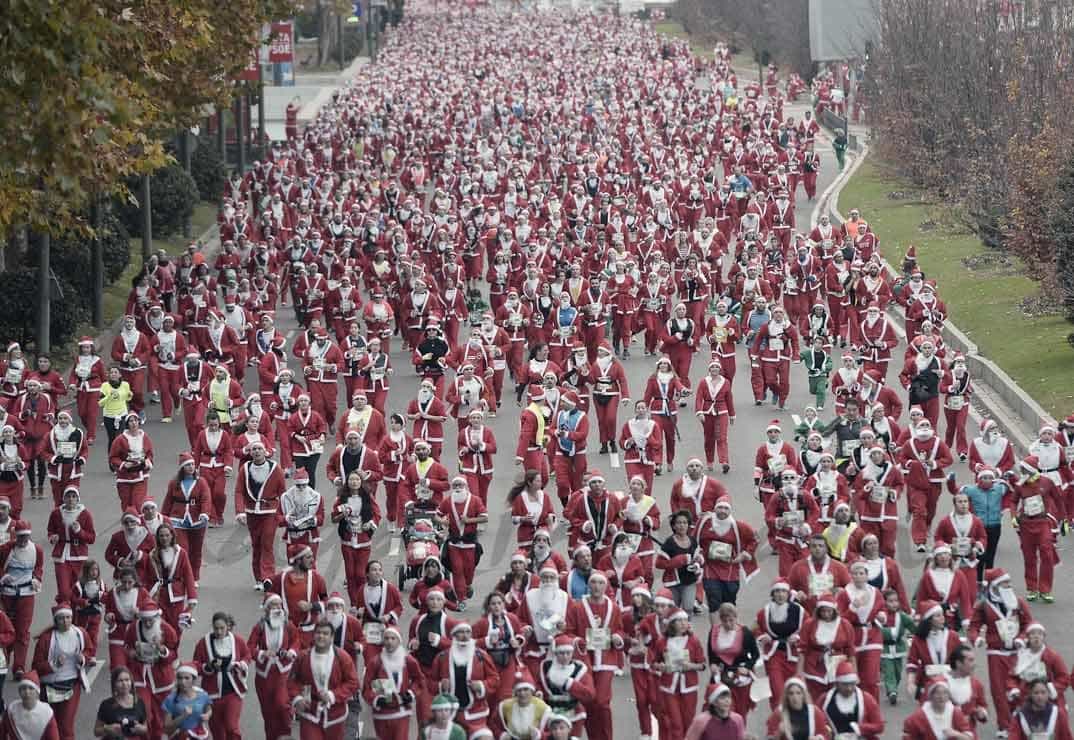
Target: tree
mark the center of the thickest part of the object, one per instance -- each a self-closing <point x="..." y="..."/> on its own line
<point x="100" y="82"/>
<point x="1061" y="231"/>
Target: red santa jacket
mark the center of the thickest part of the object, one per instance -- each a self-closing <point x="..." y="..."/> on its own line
<point x="282" y="658"/>
<point x="157" y="676"/>
<point x="310" y="588"/>
<point x="341" y="685"/>
<point x="128" y="469"/>
<point x="867" y="716"/>
<point x="406" y="682"/>
<point x="254" y="498"/>
<point x="480" y="670"/>
<point x="583" y="615"/>
<point x="174" y="583"/>
<point x="237" y="669"/>
<point x="698" y="497"/>
<point x="816" y="646"/>
<point x="189" y="506"/>
<point x="69" y="546"/>
<point x="918" y="726"/>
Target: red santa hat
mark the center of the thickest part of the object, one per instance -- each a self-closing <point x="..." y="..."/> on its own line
<point x="563" y="643"/>
<point x="130" y="513"/>
<point x="995" y="576"/>
<point x="23" y="527"/>
<point x="664" y="596"/>
<point x="604" y="346"/>
<point x="536" y="393"/>
<point x="571" y="397"/>
<point x="523" y="680"/>
<point x="296" y="550"/>
<point x="62" y="609"/>
<point x="336" y="598"/>
<point x="985" y="471"/>
<point x="392" y="629"/>
<point x="642" y="590"/>
<point x="936" y="683"/>
<point x="15" y="346"/>
<point x="773" y="426"/>
<point x="301" y="475"/>
<point x="1046" y="428"/>
<point x="723" y="502"/>
<point x="30" y="679"/>
<point x="597" y="576"/>
<point x="147" y="609"/>
<point x="433" y="591"/>
<point x="827" y="600"/>
<point x="548" y="569"/>
<point x="1031" y="464"/>
<point x="911" y="253"/>
<point x="148" y="504"/>
<point x="185" y="458"/>
<point x="187" y="669"/>
<point x="873" y="306"/>
<point x="269" y="599"/>
<point x="460" y="627"/>
<point x="780" y="586"/>
<point x="930" y="609"/>
<point x="718" y="690"/>
<point x="715" y="364"/>
<point x="83" y="341"/>
<point x="229" y="300"/>
<point x="1036" y="626"/>
<point x="594" y="474"/>
<point x="845" y="673"/>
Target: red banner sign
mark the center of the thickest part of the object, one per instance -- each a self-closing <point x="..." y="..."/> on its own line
<point x="252" y="71"/>
<point x="282" y="48"/>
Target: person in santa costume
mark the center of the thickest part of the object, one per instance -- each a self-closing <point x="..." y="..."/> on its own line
<point x="609" y="391"/>
<point x="826" y="639"/>
<point x="130" y="545"/>
<point x="14" y="457"/>
<point x="1039" y="515"/>
<point x="779" y="623"/>
<point x="639" y="518"/>
<point x="214" y="453"/>
<point x="223" y="659"/>
<point x="320" y="683"/>
<point x="87" y="376"/>
<point x="29" y="718"/>
<point x="466" y="671"/>
<point x="999" y="624"/>
<point x="60" y="656"/>
<point x="798" y="718"/>
<point x="792" y="517"/>
<point x="1041" y="715"/>
<point x="427" y="412"/>
<point x="593" y="515"/>
<point x="392" y="682"/>
<point x="924" y="458"/>
<point x="477" y="445"/>
<point x="964" y="533"/>
<point x="531" y="508"/>
<point x="714" y="406"/>
<point x="991" y="449"/>
<point x="875" y="338"/>
<point x="942" y="581"/>
<point x="772" y="458"/>
<point x="523" y="716"/>
<point x="957" y="389"/>
<point x="65" y="455"/>
<point x="430" y="633"/>
<point x="274" y="644"/>
<point x="394" y="454"/>
<point x="643" y="445"/>
<point x="131" y="458"/>
<point x="357" y="517"/>
<point x="258" y="488"/>
<point x="850" y="709"/>
<point x="566" y="683"/>
<point x="1037" y="661"/>
<point x="461" y="512"/>
<point x="535" y="431"/>
<point x="131" y="350"/>
<point x="189" y="508"/>
<point x="728" y="547"/>
<point x="22" y="564"/>
<point x="774" y="347"/>
<point x="152" y="649"/>
<point x="70" y="532"/>
<point x="937" y="718"/>
<point x="172" y="581"/>
<point x="168" y="347"/>
<point x="732" y="653"/>
<point x="303" y="590"/>
<point x="596" y="624"/>
<point x="967" y="692"/>
<point x="308" y="432"/>
<point x="678" y="343"/>
<point x="862" y="604"/>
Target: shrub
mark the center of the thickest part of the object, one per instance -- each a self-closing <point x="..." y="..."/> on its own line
<point x="207" y="169"/>
<point x="18" y="321"/>
<point x="72" y="257"/>
<point x="173" y="195"/>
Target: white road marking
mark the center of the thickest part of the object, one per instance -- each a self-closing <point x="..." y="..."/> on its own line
<point x="394" y="549"/>
<point x="92" y="673"/>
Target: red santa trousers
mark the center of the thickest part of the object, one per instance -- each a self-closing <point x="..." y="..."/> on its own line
<point x="534" y="460"/>
<point x="598" y="722"/>
<point x="680" y="710"/>
<point x="13" y="490"/>
<point x="130" y="495"/>
<point x="323" y="398"/>
<point x="283" y="441"/>
<point x="643" y="697"/>
<point x="262" y="529"/>
<point x="355" y="560"/>
<point x="225" y="724"/>
<point x="868" y="662"/>
<point x="1038" y="553"/>
<point x="217" y="481"/>
<point x="779" y="669"/>
<point x="479" y="485"/>
<point x="463" y="561"/>
<point x="20" y="609"/>
<point x="91" y="627"/>
<point x="168" y="382"/>
<point x="89" y="411"/>
<point x="193" y="419"/>
<point x="607" y="415"/>
<point x="136" y="380"/>
<point x="777" y="378"/>
<point x="66" y="578"/>
<point x="715" y="434"/>
<point x="569" y="472"/>
<point x="645" y="472"/>
<point x="392" y="729"/>
<point x="193" y="541"/>
<point x="313" y="731"/>
<point x="922" y="511"/>
<point x="999" y="668"/>
<point x="668" y="425"/>
<point x="66" y="713"/>
<point x="275" y="704"/>
<point x="955" y="433"/>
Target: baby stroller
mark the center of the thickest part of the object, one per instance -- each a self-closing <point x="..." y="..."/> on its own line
<point x="422" y="539"/>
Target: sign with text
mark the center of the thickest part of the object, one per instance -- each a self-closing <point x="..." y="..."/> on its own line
<point x="282" y="47"/>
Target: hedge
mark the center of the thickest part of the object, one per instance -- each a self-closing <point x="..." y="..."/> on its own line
<point x="173" y="195"/>
<point x="18" y="320"/>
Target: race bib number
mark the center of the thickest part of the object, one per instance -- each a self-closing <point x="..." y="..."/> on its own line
<point x="720" y="551"/>
<point x="1033" y="506"/>
<point x="383" y="687"/>
<point x="9" y="467"/>
<point x="653" y="304"/>
<point x="777" y="464"/>
<point x="719" y="334"/>
<point x="374" y="633"/>
<point x="821" y="583"/>
<point x="937" y="670"/>
<point x="598" y="638"/>
<point x="13" y="376"/>
<point x="879" y="494"/>
<point x="791" y="519"/>
<point x="955" y="403"/>
<point x="775" y="344"/>
<point x="850" y="446"/>
<point x="419" y="551"/>
<point x="634" y="540"/>
<point x="317" y="447"/>
<point x="962" y="546"/>
<point x="67" y="449"/>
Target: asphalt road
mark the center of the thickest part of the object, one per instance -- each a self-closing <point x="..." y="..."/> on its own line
<point x="226" y="582"/>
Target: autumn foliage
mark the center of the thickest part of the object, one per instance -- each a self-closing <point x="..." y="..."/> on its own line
<point x="974" y="105"/>
<point x="92" y="86"/>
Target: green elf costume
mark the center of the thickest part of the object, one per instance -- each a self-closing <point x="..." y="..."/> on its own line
<point x="437" y="730"/>
<point x="818" y="364"/>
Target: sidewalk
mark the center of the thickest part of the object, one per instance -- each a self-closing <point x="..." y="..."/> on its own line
<point x="313" y="89"/>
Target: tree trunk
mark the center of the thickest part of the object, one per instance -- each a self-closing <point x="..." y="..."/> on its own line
<point x="43" y="338"/>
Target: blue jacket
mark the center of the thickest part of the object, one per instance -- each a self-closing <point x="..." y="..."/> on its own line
<point x="987" y="505"/>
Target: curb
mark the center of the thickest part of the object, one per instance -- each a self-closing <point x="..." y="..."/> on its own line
<point x="996" y="394"/>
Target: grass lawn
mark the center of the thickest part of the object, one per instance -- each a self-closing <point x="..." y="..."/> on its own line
<point x="115" y="295"/>
<point x="742" y="63"/>
<point x="982" y="301"/>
